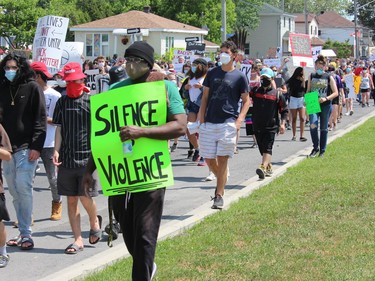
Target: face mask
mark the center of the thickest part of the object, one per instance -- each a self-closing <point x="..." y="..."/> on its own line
<point x="275" y="73"/>
<point x="348" y="70"/>
<point x="193" y="69"/>
<point x="101" y="64"/>
<point x="225" y="58"/>
<point x="364" y="71"/>
<point x="74" y="90"/>
<point x="265" y="82"/>
<point x="361" y="65"/>
<point x="319" y="71"/>
<point x="219" y="63"/>
<point x="372" y="70"/>
<point x="344" y="64"/>
<point x="186" y="71"/>
<point x="10" y="74"/>
<point x="136" y="70"/>
<point x="61" y="83"/>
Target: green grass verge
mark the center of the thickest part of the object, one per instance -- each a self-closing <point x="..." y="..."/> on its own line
<point x="316" y="222"/>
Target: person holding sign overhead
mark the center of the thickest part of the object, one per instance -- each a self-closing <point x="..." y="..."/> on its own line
<point x="140" y="210"/>
<point x="72" y="151"/>
<point x="325" y="85"/>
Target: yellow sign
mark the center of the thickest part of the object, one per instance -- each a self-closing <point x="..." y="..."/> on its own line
<point x="148" y="165"/>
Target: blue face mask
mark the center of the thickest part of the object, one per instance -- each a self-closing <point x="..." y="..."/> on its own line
<point x="319" y="71"/>
<point x="193" y="69"/>
<point x="348" y="70"/>
<point x="10" y="74"/>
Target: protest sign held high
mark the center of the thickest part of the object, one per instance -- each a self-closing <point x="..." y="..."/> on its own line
<point x="149" y="167"/>
<point x="49" y="41"/>
<point x="301" y="50"/>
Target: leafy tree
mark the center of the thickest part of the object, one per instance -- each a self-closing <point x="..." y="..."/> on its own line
<point x="313" y="6"/>
<point x="200" y="13"/>
<point x="366" y="15"/>
<point x="342" y="49"/>
<point x="247" y="13"/>
<point x="18" y="20"/>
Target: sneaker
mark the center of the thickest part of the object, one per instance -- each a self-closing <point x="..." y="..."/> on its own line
<point x="190" y="153"/>
<point x="261" y="172"/>
<point x="307" y="123"/>
<point x="302" y="139"/>
<point x="196" y="156"/>
<point x="211" y="176"/>
<point x="202" y="162"/>
<point x="173" y="147"/>
<point x="321" y="154"/>
<point x="154" y="269"/>
<point x="4" y="259"/>
<point x="351" y="112"/>
<point x="293" y="138"/>
<point x="347" y="114"/>
<point x="269" y="171"/>
<point x="313" y="153"/>
<point x="367" y="104"/>
<point x="218" y="202"/>
<point x="236" y="150"/>
<point x="363" y="105"/>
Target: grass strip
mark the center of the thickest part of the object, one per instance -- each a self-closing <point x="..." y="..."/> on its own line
<point x="316" y="222"/>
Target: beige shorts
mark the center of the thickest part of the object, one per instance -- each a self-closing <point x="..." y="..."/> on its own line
<point x="217" y="139"/>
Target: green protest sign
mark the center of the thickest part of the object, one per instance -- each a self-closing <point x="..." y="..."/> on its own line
<point x="312" y="102"/>
<point x="148" y="166"/>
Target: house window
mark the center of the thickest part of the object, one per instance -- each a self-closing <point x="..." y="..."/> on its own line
<point x="284" y="22"/>
<point x="97" y="45"/>
<point x="311" y="29"/>
<point x="169" y="43"/>
<point x="247" y="49"/>
<point x="290" y="24"/>
<point x="316" y="30"/>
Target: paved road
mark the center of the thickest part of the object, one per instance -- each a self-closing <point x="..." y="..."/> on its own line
<point x="186" y="202"/>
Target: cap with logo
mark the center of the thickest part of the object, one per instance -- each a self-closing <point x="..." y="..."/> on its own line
<point x="73" y="71"/>
<point x="40" y="66"/>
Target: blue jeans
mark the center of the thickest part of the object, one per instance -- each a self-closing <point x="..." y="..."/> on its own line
<point x="46" y="155"/>
<point x="314" y="120"/>
<point x="19" y="174"/>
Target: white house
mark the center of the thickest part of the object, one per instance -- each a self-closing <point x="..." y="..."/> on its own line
<point x="312" y="25"/>
<point x="107" y="36"/>
<point x="273" y="32"/>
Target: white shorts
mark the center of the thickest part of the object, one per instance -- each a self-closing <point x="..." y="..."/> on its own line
<point x="296" y="103"/>
<point x="217" y="139"/>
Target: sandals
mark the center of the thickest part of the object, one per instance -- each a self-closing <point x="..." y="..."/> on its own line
<point x="16" y="241"/>
<point x="25" y="240"/>
<point x="21" y="242"/>
<point x="73" y="249"/>
<point x="96" y="233"/>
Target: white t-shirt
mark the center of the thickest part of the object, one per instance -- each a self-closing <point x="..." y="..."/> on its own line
<point x="51" y="96"/>
<point x="195" y="92"/>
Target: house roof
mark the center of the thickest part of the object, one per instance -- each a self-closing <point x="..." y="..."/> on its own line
<point x="136" y="19"/>
<point x="315" y="41"/>
<point x="333" y="19"/>
<point x="300" y="18"/>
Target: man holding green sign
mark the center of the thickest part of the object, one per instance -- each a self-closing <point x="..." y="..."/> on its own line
<point x="130" y="128"/>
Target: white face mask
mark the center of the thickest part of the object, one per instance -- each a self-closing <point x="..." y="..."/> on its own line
<point x="61" y="83"/>
<point x="372" y="70"/>
<point x="225" y="58"/>
<point x="101" y="64"/>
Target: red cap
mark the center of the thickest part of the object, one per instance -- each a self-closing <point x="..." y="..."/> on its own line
<point x="73" y="71"/>
<point x="40" y="66"/>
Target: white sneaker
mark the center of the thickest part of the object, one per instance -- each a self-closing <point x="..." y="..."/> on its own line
<point x="210" y="177"/>
<point x="154" y="268"/>
<point x="347" y="114"/>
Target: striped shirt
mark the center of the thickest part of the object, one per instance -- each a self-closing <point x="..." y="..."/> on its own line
<point x="73" y="115"/>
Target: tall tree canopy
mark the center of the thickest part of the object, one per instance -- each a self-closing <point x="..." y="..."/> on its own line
<point x="313" y="6"/>
<point x="366" y="12"/>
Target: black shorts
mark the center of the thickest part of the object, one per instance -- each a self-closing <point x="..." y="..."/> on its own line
<point x="192" y="107"/>
<point x="336" y="100"/>
<point x="4" y="215"/>
<point x="249" y="129"/>
<point x="265" y="140"/>
<point x="365" y="90"/>
<point x="69" y="182"/>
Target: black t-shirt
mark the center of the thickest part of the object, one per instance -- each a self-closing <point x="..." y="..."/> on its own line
<point x="225" y="92"/>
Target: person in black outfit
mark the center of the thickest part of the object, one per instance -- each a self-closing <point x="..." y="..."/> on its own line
<point x="297" y="89"/>
<point x="268" y="103"/>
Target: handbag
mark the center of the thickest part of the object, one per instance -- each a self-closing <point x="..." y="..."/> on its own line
<point x="4" y="215"/>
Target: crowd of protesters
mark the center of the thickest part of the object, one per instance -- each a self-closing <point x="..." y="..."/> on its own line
<point x="209" y="101"/>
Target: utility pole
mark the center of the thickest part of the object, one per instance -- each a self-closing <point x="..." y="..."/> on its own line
<point x="356" y="55"/>
<point x="224" y="20"/>
<point x="306" y="18"/>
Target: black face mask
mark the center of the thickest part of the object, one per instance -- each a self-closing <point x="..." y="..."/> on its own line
<point x="265" y="82"/>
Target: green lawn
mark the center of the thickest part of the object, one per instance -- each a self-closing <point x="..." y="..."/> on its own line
<point x="316" y="222"/>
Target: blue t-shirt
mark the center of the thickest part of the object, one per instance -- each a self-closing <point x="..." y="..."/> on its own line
<point x="225" y="89"/>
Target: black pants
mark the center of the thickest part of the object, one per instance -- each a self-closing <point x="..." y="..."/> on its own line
<point x="140" y="216"/>
<point x="265" y="140"/>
